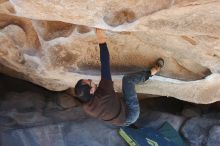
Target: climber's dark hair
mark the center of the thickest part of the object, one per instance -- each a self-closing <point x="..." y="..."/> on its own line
<point x="82" y="91"/>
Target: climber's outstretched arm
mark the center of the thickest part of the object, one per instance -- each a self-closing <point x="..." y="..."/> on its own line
<point x="104" y="55"/>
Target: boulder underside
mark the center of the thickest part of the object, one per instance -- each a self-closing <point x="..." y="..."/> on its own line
<point x="53" y="44"/>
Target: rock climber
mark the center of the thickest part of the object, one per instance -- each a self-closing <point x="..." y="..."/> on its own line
<point x="101" y="101"/>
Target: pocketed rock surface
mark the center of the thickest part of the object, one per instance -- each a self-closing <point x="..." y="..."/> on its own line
<point x="53" y="44"/>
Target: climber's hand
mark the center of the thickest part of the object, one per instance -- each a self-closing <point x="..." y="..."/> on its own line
<point x="100" y="36"/>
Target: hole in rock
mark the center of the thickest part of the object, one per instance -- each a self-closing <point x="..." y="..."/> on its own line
<point x="83" y="29"/>
<point x="11" y="21"/>
<point x="50" y="30"/>
<point x="2" y="1"/>
<point x="119" y="17"/>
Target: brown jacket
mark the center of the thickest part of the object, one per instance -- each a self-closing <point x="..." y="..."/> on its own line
<point x="106" y="105"/>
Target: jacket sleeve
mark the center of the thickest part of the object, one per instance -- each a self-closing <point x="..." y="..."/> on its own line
<point x="105" y="87"/>
<point x="105" y="62"/>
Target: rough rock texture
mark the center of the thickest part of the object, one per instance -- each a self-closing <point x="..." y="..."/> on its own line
<point x="214" y="134"/>
<point x="23" y="123"/>
<point x="155" y="119"/>
<point x="202" y="130"/>
<point x="52" y="43"/>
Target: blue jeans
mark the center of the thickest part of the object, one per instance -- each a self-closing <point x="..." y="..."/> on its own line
<point x="130" y="95"/>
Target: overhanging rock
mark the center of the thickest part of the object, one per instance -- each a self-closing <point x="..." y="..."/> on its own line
<point x="52" y="43"/>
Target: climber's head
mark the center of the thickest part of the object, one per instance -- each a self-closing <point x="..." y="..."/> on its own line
<point x="85" y="89"/>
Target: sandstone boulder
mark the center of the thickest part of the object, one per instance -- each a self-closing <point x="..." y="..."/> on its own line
<point x="52" y="43"/>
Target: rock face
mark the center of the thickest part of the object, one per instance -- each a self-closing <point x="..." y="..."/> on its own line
<point x="47" y="123"/>
<point x="202" y="131"/>
<point x="52" y="43"/>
